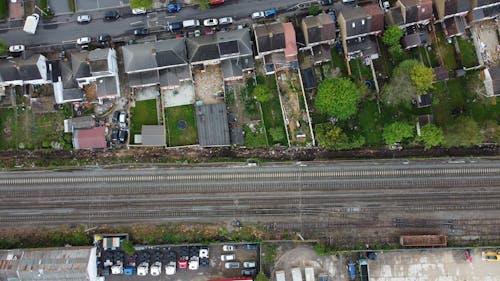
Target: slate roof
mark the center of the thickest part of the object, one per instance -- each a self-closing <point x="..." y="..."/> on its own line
<point x="153" y="135"/>
<point x="452" y="7"/>
<point x="89" y="138"/>
<point x="143" y="78"/>
<point x="219" y="45"/>
<point x="67" y="76"/>
<point x="270" y="37"/>
<point x="481" y="3"/>
<point x="367" y="45"/>
<point x="394" y="16"/>
<point x="106" y="86"/>
<point x="231" y="69"/>
<point x="454" y="26"/>
<point x="8" y="71"/>
<point x="486" y="13"/>
<point x="160" y="54"/>
<point x="73" y="94"/>
<point x="28" y="69"/>
<point x="84" y="122"/>
<point x="495" y="77"/>
<point x="417" y="10"/>
<point x="80" y="65"/>
<point x="54" y="70"/>
<point x="98" y="60"/>
<point x="412" y="40"/>
<point x="322" y="53"/>
<point x="213" y="129"/>
<point x="362" y="20"/>
<point x="173" y="76"/>
<point x="319" y="28"/>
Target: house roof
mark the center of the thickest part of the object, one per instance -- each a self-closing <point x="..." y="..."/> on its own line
<point x="424" y="100"/>
<point x="322" y="53"/>
<point x="98" y="60"/>
<point x="394" y="16"/>
<point x="454" y="26"/>
<point x="28" y="68"/>
<point x="80" y="65"/>
<point x="486" y="12"/>
<point x="9" y="71"/>
<point x="290" y="43"/>
<point x="106" y="86"/>
<point x="219" y="45"/>
<point x="213" y="129"/>
<point x="481" y="3"/>
<point x="72" y="94"/>
<point x="362" y="20"/>
<point x="412" y="40"/>
<point x="143" y="78"/>
<point x="90" y="138"/>
<point x="495" y="77"/>
<point x="84" y="122"/>
<point x="417" y="10"/>
<point x="319" y="28"/>
<point x="67" y="76"/>
<point x="153" y="135"/>
<point x="54" y="70"/>
<point x="173" y="76"/>
<point x="366" y="45"/>
<point x="270" y="37"/>
<point x="160" y="54"/>
<point x="452" y="7"/>
<point x="308" y="78"/>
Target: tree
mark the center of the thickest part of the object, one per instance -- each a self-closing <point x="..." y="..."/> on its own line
<point x="314" y="10"/>
<point x="261" y="276"/>
<point x="127" y="247"/>
<point x="277" y="134"/>
<point x="203" y="4"/>
<point x="401" y="88"/>
<point x="338" y="97"/>
<point x="463" y="132"/>
<point x="431" y="136"/>
<point x="398" y="132"/>
<point x="392" y="35"/>
<point x="3" y="47"/>
<point x="332" y="136"/>
<point x="423" y="77"/>
<point x="137" y="4"/>
<point x="261" y="93"/>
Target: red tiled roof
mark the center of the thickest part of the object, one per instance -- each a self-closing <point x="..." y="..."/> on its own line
<point x="92" y="138"/>
<point x="377" y="20"/>
<point x="291" y="44"/>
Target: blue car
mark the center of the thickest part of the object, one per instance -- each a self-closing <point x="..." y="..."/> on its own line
<point x="270" y="13"/>
<point x="173" y="8"/>
<point x="351" y="268"/>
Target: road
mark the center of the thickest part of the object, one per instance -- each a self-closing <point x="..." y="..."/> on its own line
<point x="388" y="197"/>
<point x="65" y="29"/>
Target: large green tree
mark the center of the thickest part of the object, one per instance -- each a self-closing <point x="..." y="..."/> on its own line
<point x="431" y="136"/>
<point x="398" y="132"/>
<point x="423" y="77"/>
<point x="392" y="35"/>
<point x="400" y="89"/>
<point x="337" y="97"/>
<point x="137" y="4"/>
<point x="261" y="93"/>
<point x="463" y="132"/>
<point x="332" y="136"/>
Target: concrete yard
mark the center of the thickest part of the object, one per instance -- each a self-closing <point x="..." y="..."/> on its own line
<point x="209" y="84"/>
<point x="432" y="264"/>
<point x="180" y="96"/>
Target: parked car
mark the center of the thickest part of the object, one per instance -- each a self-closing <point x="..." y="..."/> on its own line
<point x="139" y="11"/>
<point x="326" y="2"/>
<point x="83" y="19"/>
<point x="115" y="117"/>
<point x="258" y="15"/>
<point x="175" y="26"/>
<point x="83" y="40"/>
<point x="230" y="265"/>
<point x="249" y="264"/>
<point x="170" y="268"/>
<point x="114" y="134"/>
<point x="122" y="136"/>
<point x="190" y="23"/>
<point x="123" y="119"/>
<point x="104" y="38"/>
<point x="225" y="20"/>
<point x="270" y="13"/>
<point x="173" y="8"/>
<point x="249" y="272"/>
<point x="210" y="22"/>
<point x="111" y="15"/>
<point x="182" y="263"/>
<point x="227" y="248"/>
<point x="17" y="48"/>
<point x="216" y="2"/>
<point x="203" y="253"/>
<point x="227" y="257"/>
<point x="141" y="32"/>
<point x="250" y="246"/>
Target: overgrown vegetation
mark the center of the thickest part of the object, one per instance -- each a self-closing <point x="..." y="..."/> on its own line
<point x="271" y="110"/>
<point x="255" y="137"/>
<point x="4" y="9"/>
<point x="72" y="5"/>
<point x="137" y="4"/>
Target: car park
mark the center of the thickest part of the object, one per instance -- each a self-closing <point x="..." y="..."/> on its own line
<point x="83" y="19"/>
<point x="141" y="32"/>
<point x="228" y="248"/>
<point x="250" y="246"/>
<point x="104" y="38"/>
<point x="227" y="257"/>
<point x="111" y="15"/>
<point x="249" y="264"/>
<point x="225" y="20"/>
<point x="173" y="8"/>
<point x="139" y="11"/>
<point x="231" y="265"/>
<point x="249" y="272"/>
<point x="83" y="40"/>
<point x="16" y="48"/>
<point x="210" y="22"/>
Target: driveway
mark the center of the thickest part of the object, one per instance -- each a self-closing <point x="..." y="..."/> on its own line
<point x="60" y="7"/>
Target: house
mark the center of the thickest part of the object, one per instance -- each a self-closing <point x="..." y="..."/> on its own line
<point x="276" y="46"/>
<point x="18" y="71"/>
<point x="484" y="10"/>
<point x="63" y="80"/>
<point x="75" y="123"/>
<point x="359" y="27"/>
<point x="163" y="63"/>
<point x="55" y="264"/>
<point x="153" y="135"/>
<point x="212" y="123"/>
<point x="94" y="138"/>
<point x="406" y="13"/>
<point x="231" y="49"/>
<point x="451" y="14"/>
<point x="319" y="35"/>
<point x="492" y="80"/>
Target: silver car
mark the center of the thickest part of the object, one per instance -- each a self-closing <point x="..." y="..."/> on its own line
<point x="84" y="19"/>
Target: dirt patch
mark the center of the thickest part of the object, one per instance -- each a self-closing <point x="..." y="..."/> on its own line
<point x="209" y="84"/>
<point x="486" y="37"/>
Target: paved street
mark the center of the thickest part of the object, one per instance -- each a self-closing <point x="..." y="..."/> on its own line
<point x="67" y="29"/>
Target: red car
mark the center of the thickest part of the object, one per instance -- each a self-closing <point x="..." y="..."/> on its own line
<point x="216" y="2"/>
<point x="182" y="263"/>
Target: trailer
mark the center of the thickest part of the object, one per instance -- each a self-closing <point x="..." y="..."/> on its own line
<point x="296" y="274"/>
<point x="31" y="23"/>
<point x="363" y="270"/>
<point x="423" y="240"/>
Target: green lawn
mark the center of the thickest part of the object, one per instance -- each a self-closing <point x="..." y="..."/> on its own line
<point x="360" y="71"/>
<point x="426" y="57"/>
<point x="255" y="139"/>
<point x="447" y="52"/>
<point x="176" y="136"/>
<point x="271" y="110"/>
<point x="370" y="122"/>
<point x="339" y="61"/>
<point x="468" y="52"/>
<point x="4" y="9"/>
<point x="144" y="113"/>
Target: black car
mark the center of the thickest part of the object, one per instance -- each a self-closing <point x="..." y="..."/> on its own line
<point x="123" y="136"/>
<point x="111" y="15"/>
<point x="175" y="26"/>
<point x="104" y="38"/>
<point x="326" y="2"/>
<point x="250" y="246"/>
<point x="249" y="272"/>
<point x="114" y="134"/>
<point x="141" y="32"/>
<point x="116" y="115"/>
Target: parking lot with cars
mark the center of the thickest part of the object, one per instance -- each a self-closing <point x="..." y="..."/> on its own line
<point x="187" y="262"/>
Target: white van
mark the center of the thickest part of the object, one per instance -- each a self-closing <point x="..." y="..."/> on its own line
<point x="190" y="23"/>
